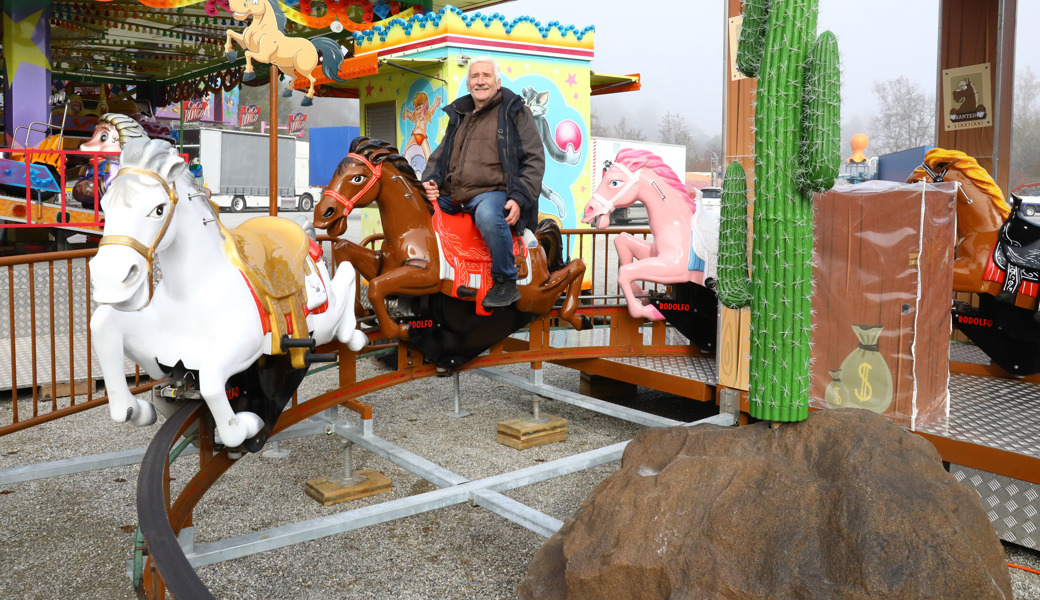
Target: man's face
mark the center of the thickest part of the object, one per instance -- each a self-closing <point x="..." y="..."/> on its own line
<point x="482" y="83"/>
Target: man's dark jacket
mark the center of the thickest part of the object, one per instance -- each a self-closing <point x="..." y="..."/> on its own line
<point x="520" y="153"/>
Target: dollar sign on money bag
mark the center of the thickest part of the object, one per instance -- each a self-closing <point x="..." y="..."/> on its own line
<point x="865" y="377"/>
<point x="837" y="395"/>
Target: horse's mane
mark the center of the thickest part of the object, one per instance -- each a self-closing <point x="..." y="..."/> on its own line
<point x="381" y="151"/>
<point x="635" y="159"/>
<point x="969" y="168"/>
<point x="279" y="14"/>
<point x="158" y="156"/>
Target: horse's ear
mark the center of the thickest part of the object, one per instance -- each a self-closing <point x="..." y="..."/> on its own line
<point x="170" y="165"/>
<point x="358" y="141"/>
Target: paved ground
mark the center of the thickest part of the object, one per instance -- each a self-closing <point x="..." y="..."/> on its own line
<point x="72" y="536"/>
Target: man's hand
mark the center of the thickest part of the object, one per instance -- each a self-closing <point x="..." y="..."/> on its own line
<point x="432" y="191"/>
<point x="512" y="212"/>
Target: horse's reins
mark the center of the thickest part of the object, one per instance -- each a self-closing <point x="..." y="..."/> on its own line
<point x="633" y="178"/>
<point x="348" y="203"/>
<point x="148" y="252"/>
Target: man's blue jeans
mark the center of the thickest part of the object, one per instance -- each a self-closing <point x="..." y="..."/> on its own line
<point x="487" y="211"/>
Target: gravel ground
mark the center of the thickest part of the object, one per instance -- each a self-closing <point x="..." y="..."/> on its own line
<point x="71" y="537"/>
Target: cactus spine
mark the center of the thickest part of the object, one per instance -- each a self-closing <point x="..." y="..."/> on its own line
<point x="796" y="154"/>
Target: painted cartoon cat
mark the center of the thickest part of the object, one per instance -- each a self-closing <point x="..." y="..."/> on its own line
<point x="538" y="102"/>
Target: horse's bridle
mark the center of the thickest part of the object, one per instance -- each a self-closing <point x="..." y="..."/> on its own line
<point x="937" y="176"/>
<point x="348" y="203"/>
<point x="633" y="178"/>
<point x="148" y="252"/>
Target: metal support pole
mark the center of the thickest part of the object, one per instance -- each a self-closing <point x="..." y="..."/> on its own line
<point x="349" y="477"/>
<point x="458" y="413"/>
<point x="273" y="146"/>
<point x="275" y="450"/>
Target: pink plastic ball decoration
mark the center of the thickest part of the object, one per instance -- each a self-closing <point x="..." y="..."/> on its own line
<point x="568" y="134"/>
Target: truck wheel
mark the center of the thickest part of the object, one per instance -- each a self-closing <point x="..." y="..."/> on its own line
<point x="238" y="204"/>
<point x="306" y="202"/>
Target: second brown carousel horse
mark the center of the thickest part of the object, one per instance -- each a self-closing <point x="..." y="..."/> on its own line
<point x="434" y="264"/>
<point x="997" y="257"/>
<point x="981" y="211"/>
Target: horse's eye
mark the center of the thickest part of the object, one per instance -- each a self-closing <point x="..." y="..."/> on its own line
<point x="104" y="137"/>
<point x="357" y="179"/>
<point x="158" y="211"/>
<point x="615" y="183"/>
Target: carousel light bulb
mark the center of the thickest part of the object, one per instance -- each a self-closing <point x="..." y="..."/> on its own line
<point x="336" y="26"/>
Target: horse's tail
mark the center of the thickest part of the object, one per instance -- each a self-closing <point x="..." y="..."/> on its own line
<point x="550" y="238"/>
<point x="331" y="57"/>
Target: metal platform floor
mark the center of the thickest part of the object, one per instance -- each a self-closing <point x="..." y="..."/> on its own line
<point x="701" y="369"/>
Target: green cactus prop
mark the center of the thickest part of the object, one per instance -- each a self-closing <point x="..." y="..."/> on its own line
<point x="796" y="154"/>
<point x="732" y="281"/>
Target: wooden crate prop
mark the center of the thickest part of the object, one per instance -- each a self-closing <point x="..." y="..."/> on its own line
<point x="883" y="266"/>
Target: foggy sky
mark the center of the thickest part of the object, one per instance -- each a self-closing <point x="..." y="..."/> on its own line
<point x="678" y="50"/>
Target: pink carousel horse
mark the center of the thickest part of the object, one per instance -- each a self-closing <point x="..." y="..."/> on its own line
<point x="685" y="236"/>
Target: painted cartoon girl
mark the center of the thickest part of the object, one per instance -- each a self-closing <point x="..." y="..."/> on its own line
<point x="421" y="115"/>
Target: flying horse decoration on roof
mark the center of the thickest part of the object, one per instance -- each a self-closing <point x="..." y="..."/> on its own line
<point x="264" y="40"/>
<point x="997" y="257"/>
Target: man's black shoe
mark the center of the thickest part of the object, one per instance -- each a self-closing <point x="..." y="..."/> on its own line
<point x="502" y="293"/>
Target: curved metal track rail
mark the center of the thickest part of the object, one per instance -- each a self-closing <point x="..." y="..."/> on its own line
<point x="161" y="521"/>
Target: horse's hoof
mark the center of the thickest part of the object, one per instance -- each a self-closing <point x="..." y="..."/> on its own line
<point x="286" y="93"/>
<point x="232" y="57"/>
<point x="307" y="101"/>
<point x="129" y="414"/>
<point x="585" y="323"/>
<point x="248" y="77"/>
<point x="144" y="416"/>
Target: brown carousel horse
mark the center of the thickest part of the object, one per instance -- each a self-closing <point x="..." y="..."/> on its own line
<point x="981" y="211"/>
<point x="435" y="264"/>
<point x="997" y="257"/>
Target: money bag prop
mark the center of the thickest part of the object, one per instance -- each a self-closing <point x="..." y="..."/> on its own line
<point x="837" y="395"/>
<point x="864" y="380"/>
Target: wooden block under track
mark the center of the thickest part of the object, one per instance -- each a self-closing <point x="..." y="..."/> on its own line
<point x="522" y="434"/>
<point x="64" y="390"/>
<point x="605" y="388"/>
<point x="329" y="493"/>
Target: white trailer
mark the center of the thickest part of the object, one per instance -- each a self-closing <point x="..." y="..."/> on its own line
<point x="235" y="168"/>
<point x="306" y="194"/>
<point x="604" y="149"/>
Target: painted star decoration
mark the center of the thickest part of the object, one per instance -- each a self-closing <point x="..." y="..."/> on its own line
<point x="21" y="49"/>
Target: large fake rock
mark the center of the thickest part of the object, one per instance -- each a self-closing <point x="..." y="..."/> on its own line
<point x="843" y="505"/>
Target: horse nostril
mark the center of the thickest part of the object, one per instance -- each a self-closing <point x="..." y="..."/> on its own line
<point x="132" y="275"/>
<point x="329" y="212"/>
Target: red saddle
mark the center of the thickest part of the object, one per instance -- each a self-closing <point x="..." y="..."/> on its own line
<point x="466" y="255"/>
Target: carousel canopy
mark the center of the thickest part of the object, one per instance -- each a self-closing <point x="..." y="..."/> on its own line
<point x="175" y="41"/>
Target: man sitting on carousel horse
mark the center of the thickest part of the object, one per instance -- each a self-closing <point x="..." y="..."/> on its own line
<point x="490" y="165"/>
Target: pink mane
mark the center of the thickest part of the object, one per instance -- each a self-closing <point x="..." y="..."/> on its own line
<point x="634" y="160"/>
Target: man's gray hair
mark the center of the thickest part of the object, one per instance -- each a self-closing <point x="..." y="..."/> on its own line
<point x="484" y="59"/>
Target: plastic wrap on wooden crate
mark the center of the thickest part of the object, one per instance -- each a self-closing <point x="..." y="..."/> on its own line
<point x="883" y="266"/>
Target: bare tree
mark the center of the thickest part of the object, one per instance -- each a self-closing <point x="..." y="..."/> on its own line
<point x="906" y="116"/>
<point x="673" y="130"/>
<point x="597" y="126"/>
<point x="1025" y="137"/>
<point x="623" y="131"/>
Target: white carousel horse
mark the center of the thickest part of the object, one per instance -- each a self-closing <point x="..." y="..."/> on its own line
<point x="685" y="240"/>
<point x="208" y="311"/>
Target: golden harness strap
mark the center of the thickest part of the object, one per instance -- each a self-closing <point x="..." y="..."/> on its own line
<point x="148" y="252"/>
